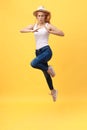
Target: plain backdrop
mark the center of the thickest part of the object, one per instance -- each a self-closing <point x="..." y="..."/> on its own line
<point x="24" y="94"/>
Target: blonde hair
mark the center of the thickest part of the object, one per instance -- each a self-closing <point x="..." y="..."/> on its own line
<point x="47" y="16"/>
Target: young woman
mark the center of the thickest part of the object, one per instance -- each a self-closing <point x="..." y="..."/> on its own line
<point x="43" y="52"/>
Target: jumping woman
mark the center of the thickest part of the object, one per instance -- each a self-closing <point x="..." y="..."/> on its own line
<point x="43" y="52"/>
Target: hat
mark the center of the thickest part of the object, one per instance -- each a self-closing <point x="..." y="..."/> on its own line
<point x="42" y="9"/>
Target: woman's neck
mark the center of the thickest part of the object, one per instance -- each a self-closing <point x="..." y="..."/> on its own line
<point x="41" y="24"/>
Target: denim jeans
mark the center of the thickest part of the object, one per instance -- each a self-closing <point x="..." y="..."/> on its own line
<point x="43" y="55"/>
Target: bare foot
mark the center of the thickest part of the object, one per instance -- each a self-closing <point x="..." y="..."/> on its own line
<point x="54" y="94"/>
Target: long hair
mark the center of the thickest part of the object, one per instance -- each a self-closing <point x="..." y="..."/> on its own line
<point x="48" y="17"/>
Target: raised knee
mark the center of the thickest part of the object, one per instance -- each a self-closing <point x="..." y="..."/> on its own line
<point x="33" y="64"/>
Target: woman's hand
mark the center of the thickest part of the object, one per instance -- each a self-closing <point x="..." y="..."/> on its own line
<point x="29" y="29"/>
<point x="35" y="30"/>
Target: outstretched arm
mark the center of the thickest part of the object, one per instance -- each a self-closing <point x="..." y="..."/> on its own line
<point x="53" y="30"/>
<point x="28" y="29"/>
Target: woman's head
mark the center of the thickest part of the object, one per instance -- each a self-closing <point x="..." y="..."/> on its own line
<point x="42" y="14"/>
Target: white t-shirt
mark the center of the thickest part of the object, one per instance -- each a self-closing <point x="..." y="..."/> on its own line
<point x="41" y="36"/>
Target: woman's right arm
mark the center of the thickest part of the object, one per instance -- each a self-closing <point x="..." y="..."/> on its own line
<point x="27" y="29"/>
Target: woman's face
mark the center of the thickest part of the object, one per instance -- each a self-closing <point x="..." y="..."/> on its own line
<point x="41" y="17"/>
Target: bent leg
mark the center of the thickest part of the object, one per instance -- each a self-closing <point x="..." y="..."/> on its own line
<point x="38" y="64"/>
<point x="42" y="58"/>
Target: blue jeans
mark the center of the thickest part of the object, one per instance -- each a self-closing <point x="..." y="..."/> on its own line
<point x="43" y="55"/>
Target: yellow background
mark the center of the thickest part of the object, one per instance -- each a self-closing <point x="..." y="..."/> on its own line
<point x="25" y="103"/>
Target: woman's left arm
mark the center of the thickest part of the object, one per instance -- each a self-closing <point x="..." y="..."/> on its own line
<point x="53" y="30"/>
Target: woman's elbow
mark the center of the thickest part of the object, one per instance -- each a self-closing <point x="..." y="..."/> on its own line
<point x="21" y="31"/>
<point x="61" y="33"/>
